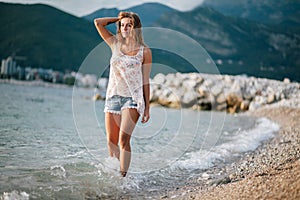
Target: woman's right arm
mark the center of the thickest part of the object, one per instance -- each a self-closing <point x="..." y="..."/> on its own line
<point x="100" y="24"/>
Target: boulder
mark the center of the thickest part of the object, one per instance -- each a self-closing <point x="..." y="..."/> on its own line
<point x="221" y="107"/>
<point x="189" y="84"/>
<point x="189" y="99"/>
<point x="233" y="102"/>
<point x="159" y="78"/>
<point x="207" y="91"/>
<point x="221" y="99"/>
<point x="271" y="98"/>
<point x="254" y="105"/>
<point x="216" y="90"/>
<point x="170" y="80"/>
<point x="203" y="91"/>
<point x="169" y="99"/>
<point x="286" y="81"/>
<point x="245" y="105"/>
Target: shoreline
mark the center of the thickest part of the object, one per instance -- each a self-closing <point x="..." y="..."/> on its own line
<point x="272" y="171"/>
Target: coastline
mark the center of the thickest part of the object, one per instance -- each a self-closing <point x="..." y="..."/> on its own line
<point x="272" y="171"/>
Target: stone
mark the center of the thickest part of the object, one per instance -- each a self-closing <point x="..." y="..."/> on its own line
<point x="203" y="91"/>
<point x="189" y="84"/>
<point x="208" y="83"/>
<point x="166" y="91"/>
<point x="286" y="81"/>
<point x="205" y="176"/>
<point x="233" y="102"/>
<point x="236" y="89"/>
<point x="221" y="107"/>
<point x="219" y="92"/>
<point x="254" y="105"/>
<point x="194" y="76"/>
<point x="177" y="82"/>
<point x="170" y="79"/>
<point x="260" y="99"/>
<point x="271" y="98"/>
<point x="221" y="99"/>
<point x="159" y="78"/>
<point x="189" y="99"/>
<point x="216" y="90"/>
<point x="227" y="79"/>
<point x="249" y="93"/>
<point x="245" y="105"/>
<point x="174" y="101"/>
<point x="169" y="99"/>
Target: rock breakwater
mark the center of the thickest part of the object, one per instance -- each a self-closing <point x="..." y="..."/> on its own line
<point x="219" y="92"/>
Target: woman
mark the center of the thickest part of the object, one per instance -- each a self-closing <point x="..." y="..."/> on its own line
<point x="127" y="95"/>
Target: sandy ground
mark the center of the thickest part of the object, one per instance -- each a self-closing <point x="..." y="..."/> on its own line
<point x="270" y="172"/>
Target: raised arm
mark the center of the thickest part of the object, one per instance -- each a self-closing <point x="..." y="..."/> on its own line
<point x="100" y="24"/>
<point x="146" y="85"/>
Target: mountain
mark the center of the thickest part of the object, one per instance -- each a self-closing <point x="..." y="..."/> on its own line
<point x="50" y="38"/>
<point x="240" y="45"/>
<point x="148" y="12"/>
<point x="285" y="13"/>
<point x="46" y="36"/>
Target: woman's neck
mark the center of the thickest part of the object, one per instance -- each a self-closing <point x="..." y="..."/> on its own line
<point x="129" y="42"/>
<point x="129" y="45"/>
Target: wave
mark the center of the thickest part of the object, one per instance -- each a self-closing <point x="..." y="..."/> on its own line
<point x="247" y="140"/>
<point x="14" y="195"/>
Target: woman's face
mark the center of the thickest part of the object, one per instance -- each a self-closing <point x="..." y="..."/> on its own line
<point x="126" y="27"/>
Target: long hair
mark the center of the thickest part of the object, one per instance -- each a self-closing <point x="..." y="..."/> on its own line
<point x="137" y="27"/>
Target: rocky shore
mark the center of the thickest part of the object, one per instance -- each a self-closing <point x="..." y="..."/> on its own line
<point x="270" y="172"/>
<point x="219" y="92"/>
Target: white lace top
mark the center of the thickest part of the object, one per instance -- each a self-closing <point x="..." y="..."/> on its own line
<point x="125" y="77"/>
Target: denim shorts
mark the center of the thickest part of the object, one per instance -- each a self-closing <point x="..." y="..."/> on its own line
<point x="116" y="104"/>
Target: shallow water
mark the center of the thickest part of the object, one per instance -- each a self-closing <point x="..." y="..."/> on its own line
<point x="53" y="145"/>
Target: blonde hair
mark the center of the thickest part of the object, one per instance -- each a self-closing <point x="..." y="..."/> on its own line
<point x="137" y="27"/>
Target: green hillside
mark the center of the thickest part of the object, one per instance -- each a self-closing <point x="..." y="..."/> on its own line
<point x="243" y="46"/>
<point x="280" y="12"/>
<point x="47" y="37"/>
<point x="50" y="38"/>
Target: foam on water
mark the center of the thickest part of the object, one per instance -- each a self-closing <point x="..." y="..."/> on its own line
<point x="242" y="142"/>
<point x="14" y="195"/>
<point x="111" y="168"/>
<point x="111" y="165"/>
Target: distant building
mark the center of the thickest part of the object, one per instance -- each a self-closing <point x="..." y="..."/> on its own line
<point x="20" y="73"/>
<point x="8" y="67"/>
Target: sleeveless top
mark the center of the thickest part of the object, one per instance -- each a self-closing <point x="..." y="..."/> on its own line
<point x="125" y="76"/>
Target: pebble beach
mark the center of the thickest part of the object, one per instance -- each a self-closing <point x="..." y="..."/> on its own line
<point x="272" y="171"/>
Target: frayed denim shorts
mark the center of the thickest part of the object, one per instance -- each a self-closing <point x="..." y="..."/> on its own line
<point x="116" y="104"/>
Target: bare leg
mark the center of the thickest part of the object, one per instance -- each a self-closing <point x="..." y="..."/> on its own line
<point x="112" y="125"/>
<point x="128" y="122"/>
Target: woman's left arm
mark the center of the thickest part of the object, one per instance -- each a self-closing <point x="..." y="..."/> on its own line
<point x="146" y="84"/>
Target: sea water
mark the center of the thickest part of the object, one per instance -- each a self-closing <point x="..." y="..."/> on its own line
<point x="53" y="146"/>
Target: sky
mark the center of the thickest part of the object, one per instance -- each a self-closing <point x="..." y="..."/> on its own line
<point x="84" y="7"/>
